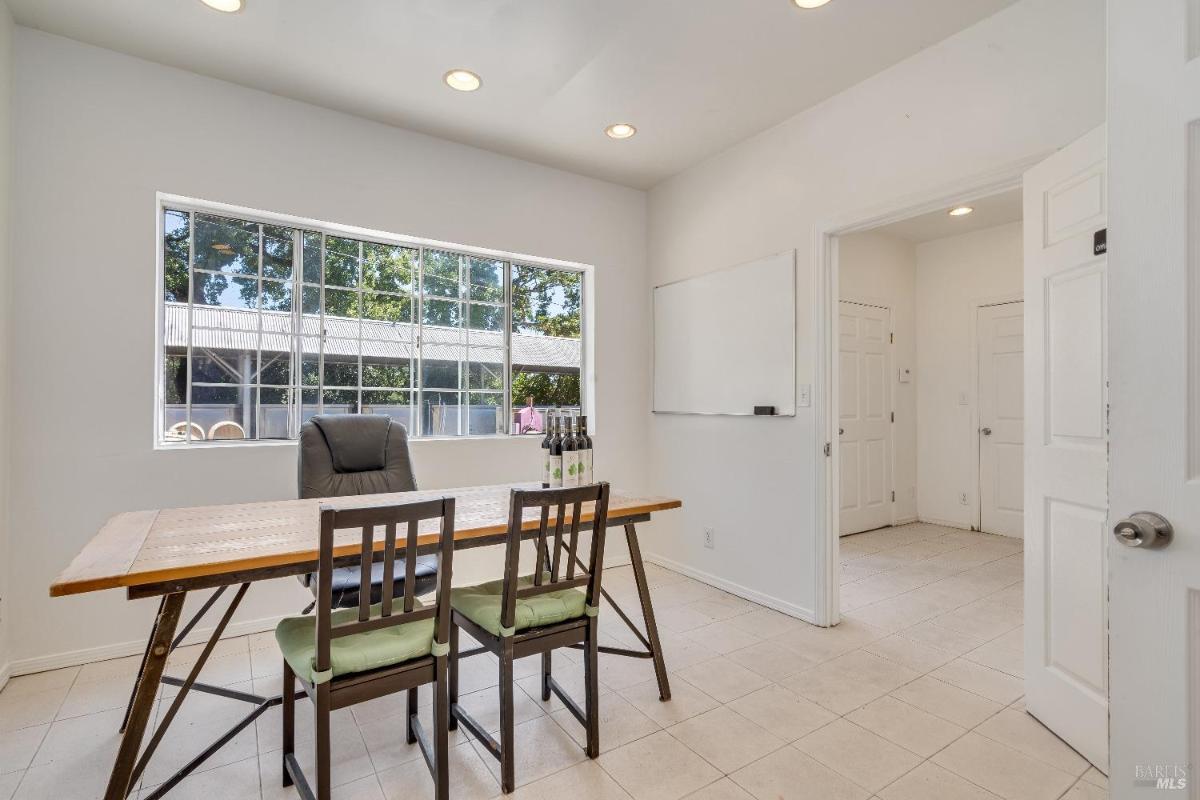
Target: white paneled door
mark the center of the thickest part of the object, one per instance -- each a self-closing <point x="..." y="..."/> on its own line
<point x="1154" y="597"/>
<point x="1001" y="338"/>
<point x="864" y="418"/>
<point x="1066" y="447"/>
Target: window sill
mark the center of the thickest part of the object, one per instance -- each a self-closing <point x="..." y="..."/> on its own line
<point x="234" y="444"/>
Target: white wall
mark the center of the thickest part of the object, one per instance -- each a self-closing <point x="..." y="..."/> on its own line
<point x="879" y="269"/>
<point x="97" y="134"/>
<point x="6" y="64"/>
<point x="954" y="275"/>
<point x="1011" y="88"/>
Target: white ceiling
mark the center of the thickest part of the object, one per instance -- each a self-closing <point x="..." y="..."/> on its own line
<point x="989" y="212"/>
<point x="695" y="76"/>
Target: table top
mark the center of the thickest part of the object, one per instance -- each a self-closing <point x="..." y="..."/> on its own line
<point x="143" y="548"/>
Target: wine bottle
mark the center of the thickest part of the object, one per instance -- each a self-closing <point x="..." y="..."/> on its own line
<point x="585" y="453"/>
<point x="556" y="455"/>
<point x="546" y="453"/>
<point x="570" y="448"/>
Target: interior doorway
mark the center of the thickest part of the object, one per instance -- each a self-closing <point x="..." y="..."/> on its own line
<point x="929" y="360"/>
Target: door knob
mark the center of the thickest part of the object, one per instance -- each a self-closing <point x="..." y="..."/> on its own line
<point x="986" y="431"/>
<point x="1144" y="529"/>
<point x="841" y="431"/>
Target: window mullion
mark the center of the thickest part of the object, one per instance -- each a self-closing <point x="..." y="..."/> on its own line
<point x="191" y="295"/>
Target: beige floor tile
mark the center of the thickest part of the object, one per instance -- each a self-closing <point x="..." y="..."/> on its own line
<point x="726" y="606"/>
<point x="823" y="644"/>
<point x="126" y="667"/>
<point x="983" y="681"/>
<point x="484" y="707"/>
<point x="724" y="789"/>
<point x="910" y="653"/>
<point x="782" y="712"/>
<point x="722" y="679"/>
<point x="236" y="781"/>
<point x="788" y="774"/>
<point x="771" y="660"/>
<point x="724" y="636"/>
<point x="37" y="708"/>
<point x="726" y="739"/>
<point x="584" y="781"/>
<point x="850" y="681"/>
<point x="686" y="701"/>
<point x="1013" y="596"/>
<point x="680" y="651"/>
<point x="1082" y="790"/>
<point x="948" y="702"/>
<point x="470" y="778"/>
<point x="767" y="623"/>
<point x="1002" y="770"/>
<point x="933" y="635"/>
<point x="620" y="723"/>
<point x="850" y="750"/>
<point x="982" y="618"/>
<point x="8" y="784"/>
<point x="100" y="695"/>
<point x="1096" y="778"/>
<point x="681" y="619"/>
<point x="639" y="768"/>
<point x="570" y="678"/>
<point x="998" y="656"/>
<point x="41" y="681"/>
<point x="906" y="725"/>
<point x="931" y="782"/>
<point x="542" y="748"/>
<point x="74" y="760"/>
<point x="618" y="672"/>
<point x="17" y="747"/>
<point x="1022" y="732"/>
<point x="387" y="744"/>
<point x="270" y="774"/>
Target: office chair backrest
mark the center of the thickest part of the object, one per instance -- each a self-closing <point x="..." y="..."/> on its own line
<point x="349" y="454"/>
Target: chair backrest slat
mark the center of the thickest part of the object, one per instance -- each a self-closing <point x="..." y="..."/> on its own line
<point x="576" y="573"/>
<point x="388" y="587"/>
<point x="368" y="519"/>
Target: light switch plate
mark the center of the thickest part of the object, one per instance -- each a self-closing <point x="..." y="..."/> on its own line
<point x="805" y="395"/>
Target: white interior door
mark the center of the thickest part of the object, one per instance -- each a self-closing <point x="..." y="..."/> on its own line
<point x="1066" y="447"/>
<point x="1154" y="155"/>
<point x="865" y="440"/>
<point x="1001" y="338"/>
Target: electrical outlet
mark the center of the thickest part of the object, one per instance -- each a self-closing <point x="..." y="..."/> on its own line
<point x="710" y="538"/>
<point x="963" y="499"/>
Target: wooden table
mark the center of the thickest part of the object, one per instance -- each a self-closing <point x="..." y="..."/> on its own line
<point x="170" y="552"/>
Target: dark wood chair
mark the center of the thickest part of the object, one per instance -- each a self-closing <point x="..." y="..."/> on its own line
<point x="348" y="656"/>
<point x="520" y="616"/>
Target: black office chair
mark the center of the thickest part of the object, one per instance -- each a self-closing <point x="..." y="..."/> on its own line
<point x="352" y="454"/>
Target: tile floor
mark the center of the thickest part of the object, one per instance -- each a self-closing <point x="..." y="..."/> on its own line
<point x="915" y="696"/>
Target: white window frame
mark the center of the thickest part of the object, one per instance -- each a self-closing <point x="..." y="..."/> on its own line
<point x="165" y="202"/>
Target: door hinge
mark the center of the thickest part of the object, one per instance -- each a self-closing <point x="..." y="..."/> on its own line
<point x="828" y="449"/>
<point x="893" y="497"/>
<point x="891" y="338"/>
<point x="893" y="416"/>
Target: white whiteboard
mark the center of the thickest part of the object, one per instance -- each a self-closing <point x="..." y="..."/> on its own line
<point x="726" y="342"/>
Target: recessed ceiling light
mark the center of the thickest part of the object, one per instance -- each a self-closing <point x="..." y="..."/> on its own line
<point x="810" y="3"/>
<point x="228" y="6"/>
<point x="463" y="80"/>
<point x="961" y="211"/>
<point x="620" y="130"/>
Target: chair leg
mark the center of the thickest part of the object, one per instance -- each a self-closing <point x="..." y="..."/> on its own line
<point x="412" y="715"/>
<point x="507" y="723"/>
<point x="441" y="732"/>
<point x="323" y="712"/>
<point x="452" y="682"/>
<point x="546" y="676"/>
<point x="289" y="719"/>
<point x="591" y="659"/>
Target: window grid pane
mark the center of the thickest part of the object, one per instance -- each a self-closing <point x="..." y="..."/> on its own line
<point x="268" y="324"/>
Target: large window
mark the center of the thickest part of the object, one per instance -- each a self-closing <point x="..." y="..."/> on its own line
<point x="266" y="324"/>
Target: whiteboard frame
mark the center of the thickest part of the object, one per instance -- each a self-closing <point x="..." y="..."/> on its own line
<point x="791" y="254"/>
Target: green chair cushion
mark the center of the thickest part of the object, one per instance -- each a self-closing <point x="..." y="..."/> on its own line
<point x="481" y="604"/>
<point x="297" y="637"/>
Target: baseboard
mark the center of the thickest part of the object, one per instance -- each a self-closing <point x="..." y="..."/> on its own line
<point x="782" y="606"/>
<point x="5" y="673"/>
<point x="904" y="521"/>
<point x="945" y="523"/>
<point x="75" y="658"/>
